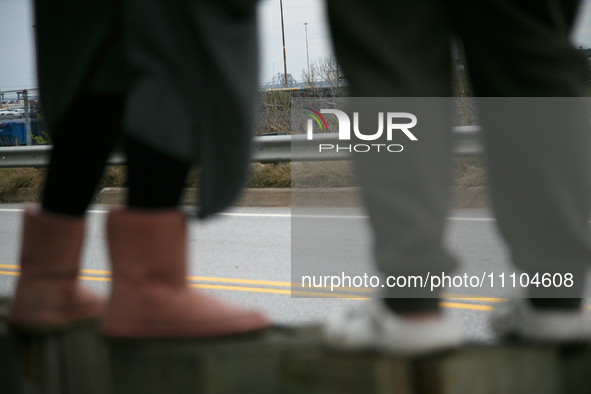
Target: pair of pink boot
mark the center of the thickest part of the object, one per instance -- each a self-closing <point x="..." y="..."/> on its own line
<point x="149" y="296"/>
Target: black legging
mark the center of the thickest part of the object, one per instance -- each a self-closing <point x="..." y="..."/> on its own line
<point x="83" y="140"/>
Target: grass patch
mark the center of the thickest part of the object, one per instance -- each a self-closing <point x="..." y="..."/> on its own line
<point x="114" y="176"/>
<point x="468" y="171"/>
<point x="269" y="175"/>
<point x="323" y="174"/>
<point x="15" y="178"/>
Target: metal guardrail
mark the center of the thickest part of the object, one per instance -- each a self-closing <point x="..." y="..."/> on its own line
<point x="467" y="141"/>
<point x="38" y="156"/>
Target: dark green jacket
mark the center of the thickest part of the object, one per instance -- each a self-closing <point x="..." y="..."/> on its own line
<point x="188" y="68"/>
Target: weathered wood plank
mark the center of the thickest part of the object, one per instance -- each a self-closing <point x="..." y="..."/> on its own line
<point x="72" y="360"/>
<point x="507" y="369"/>
<point x="354" y="373"/>
<point x="286" y="361"/>
<point x="576" y="369"/>
<point x="280" y="360"/>
<point x="242" y="364"/>
<point x="10" y="378"/>
<point x="302" y="363"/>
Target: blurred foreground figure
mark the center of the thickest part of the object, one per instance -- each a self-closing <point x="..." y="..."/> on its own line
<point x="528" y="80"/>
<point x="174" y="82"/>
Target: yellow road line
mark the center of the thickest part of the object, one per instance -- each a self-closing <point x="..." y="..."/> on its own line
<point x="11" y="273"/>
<point x="241" y="288"/>
<point x="221" y="287"/>
<point x="472" y="298"/>
<point x="196" y="278"/>
<point x="458" y="305"/>
<point x="252" y="289"/>
<point x="216" y="279"/>
<point x="278" y="283"/>
<point x="99" y="272"/>
<point x="275" y="291"/>
<point x="283" y="284"/>
<point x="94" y="278"/>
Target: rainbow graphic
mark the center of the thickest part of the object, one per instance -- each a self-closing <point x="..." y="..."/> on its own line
<point x="317" y="115"/>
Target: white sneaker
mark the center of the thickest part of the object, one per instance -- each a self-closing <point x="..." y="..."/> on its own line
<point x="374" y="327"/>
<point x="518" y="318"/>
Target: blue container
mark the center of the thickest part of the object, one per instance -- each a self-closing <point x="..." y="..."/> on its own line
<point x="13" y="131"/>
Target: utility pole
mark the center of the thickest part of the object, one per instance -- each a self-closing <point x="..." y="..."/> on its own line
<point x="283" y="36"/>
<point x="307" y="53"/>
<point x="27" y="118"/>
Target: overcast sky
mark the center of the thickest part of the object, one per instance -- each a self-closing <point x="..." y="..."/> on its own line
<point x="17" y="57"/>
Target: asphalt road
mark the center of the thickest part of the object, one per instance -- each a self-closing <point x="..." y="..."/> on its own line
<point x="245" y="256"/>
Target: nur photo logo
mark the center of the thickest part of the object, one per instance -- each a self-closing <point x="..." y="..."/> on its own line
<point x="390" y="119"/>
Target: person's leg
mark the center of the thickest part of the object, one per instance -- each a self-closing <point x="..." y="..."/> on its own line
<point x="148" y="247"/>
<point x="82" y="143"/>
<point x="537" y="140"/>
<point x="184" y="69"/>
<point x="81" y="148"/>
<point x="155" y="179"/>
<point x="401" y="49"/>
<point x="47" y="292"/>
<point x="536" y="133"/>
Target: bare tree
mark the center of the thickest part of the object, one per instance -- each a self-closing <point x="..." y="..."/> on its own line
<point x="326" y="72"/>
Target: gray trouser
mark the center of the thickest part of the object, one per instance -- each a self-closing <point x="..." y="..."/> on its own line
<point x="537" y="148"/>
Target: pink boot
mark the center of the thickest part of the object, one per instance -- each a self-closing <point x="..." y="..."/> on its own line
<point x="150" y="296"/>
<point x="48" y="294"/>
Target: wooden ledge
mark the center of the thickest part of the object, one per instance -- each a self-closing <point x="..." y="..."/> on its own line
<point x="279" y="360"/>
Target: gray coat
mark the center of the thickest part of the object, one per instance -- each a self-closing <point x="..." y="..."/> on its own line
<point x="188" y="68"/>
